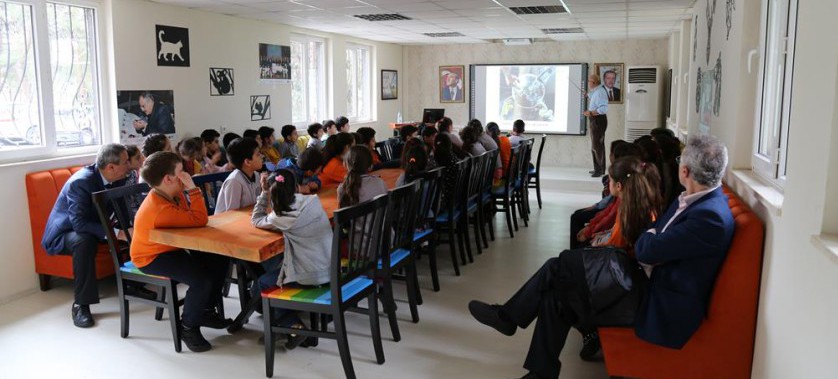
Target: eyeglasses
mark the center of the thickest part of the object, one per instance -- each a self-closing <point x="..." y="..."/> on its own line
<point x="678" y="159"/>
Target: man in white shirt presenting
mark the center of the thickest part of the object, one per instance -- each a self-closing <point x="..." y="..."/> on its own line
<point x="597" y="108"/>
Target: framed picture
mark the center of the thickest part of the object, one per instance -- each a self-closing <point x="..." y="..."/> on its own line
<point x="144" y="112"/>
<point x="172" y="46"/>
<point x="274" y="62"/>
<point x="452" y="84"/>
<point x="221" y="82"/>
<point x="260" y="107"/>
<point x="611" y="75"/>
<point x="389" y="84"/>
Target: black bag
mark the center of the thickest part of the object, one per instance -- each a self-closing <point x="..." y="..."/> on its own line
<point x="615" y="283"/>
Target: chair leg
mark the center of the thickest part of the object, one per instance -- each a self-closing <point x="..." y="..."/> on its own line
<point x="225" y="291"/>
<point x="267" y="313"/>
<point x="452" y="244"/>
<point x="161" y="297"/>
<point x="241" y="283"/>
<point x="513" y="206"/>
<point x="413" y="295"/>
<point x="390" y="306"/>
<point x="432" y="264"/>
<point x="174" y="315"/>
<point x="343" y="341"/>
<point x="463" y="224"/>
<point x="538" y="189"/>
<point x="375" y="329"/>
<point x="124" y="321"/>
<point x="43" y="280"/>
<point x="483" y="220"/>
<point x="523" y="208"/>
<point x="490" y="224"/>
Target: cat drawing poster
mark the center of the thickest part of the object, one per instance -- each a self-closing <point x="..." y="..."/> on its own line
<point x="172" y="46"/>
<point x="221" y="82"/>
<point x="260" y="107"/>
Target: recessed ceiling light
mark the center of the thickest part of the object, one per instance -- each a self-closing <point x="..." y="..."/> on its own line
<point x="562" y="30"/>
<point x="543" y="9"/>
<point x="382" y="17"/>
<point x="446" y="34"/>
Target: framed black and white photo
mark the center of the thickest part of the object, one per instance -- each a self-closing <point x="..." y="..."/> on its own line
<point x="172" y="46"/>
<point x="275" y="62"/>
<point x="389" y="84"/>
<point x="260" y="107"/>
<point x="222" y="82"/>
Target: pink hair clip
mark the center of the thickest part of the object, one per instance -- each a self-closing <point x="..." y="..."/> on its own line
<point x="280" y="179"/>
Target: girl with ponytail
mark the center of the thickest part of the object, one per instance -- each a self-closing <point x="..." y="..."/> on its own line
<point x="359" y="186"/>
<point x="414" y="162"/>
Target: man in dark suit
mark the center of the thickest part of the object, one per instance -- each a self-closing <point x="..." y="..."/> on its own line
<point x="73" y="227"/>
<point x="681" y="254"/>
<point x="160" y="118"/>
<point x="609" y="78"/>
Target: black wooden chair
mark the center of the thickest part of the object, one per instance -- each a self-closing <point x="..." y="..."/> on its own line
<point x="450" y="221"/>
<point x="112" y="201"/>
<point x="356" y="251"/>
<point x="471" y="202"/>
<point x="535" y="172"/>
<point x="429" y="199"/>
<point x="487" y="210"/>
<point x="522" y="193"/>
<point x="503" y="196"/>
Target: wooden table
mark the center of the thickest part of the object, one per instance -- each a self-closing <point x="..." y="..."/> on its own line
<point x="231" y="233"/>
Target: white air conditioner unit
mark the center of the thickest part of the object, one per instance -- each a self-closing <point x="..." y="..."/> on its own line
<point x="517" y="41"/>
<point x="643" y="101"/>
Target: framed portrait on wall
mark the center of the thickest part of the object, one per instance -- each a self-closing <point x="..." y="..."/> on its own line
<point x="452" y="84"/>
<point x="611" y="75"/>
<point x="389" y="84"/>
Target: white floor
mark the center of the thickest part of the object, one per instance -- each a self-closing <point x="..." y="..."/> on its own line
<point x="38" y="340"/>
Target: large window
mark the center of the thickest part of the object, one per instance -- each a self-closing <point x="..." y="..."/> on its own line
<point x="775" y="84"/>
<point x="308" y="73"/>
<point x="359" y="83"/>
<point x="41" y="117"/>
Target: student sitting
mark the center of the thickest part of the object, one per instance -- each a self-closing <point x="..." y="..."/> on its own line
<point x="167" y="207"/>
<point x="445" y="157"/>
<point x="486" y="140"/>
<point x="342" y="124"/>
<point x="288" y="147"/>
<point x="315" y="132"/>
<point x="471" y="144"/>
<point x="336" y="150"/>
<point x="241" y="188"/>
<point x="330" y="128"/>
<point x="445" y="127"/>
<point x="368" y="139"/>
<point x="225" y="141"/>
<point x="505" y="147"/>
<point x="214" y="158"/>
<point x="191" y="150"/>
<point x="308" y="240"/>
<point x="405" y="133"/>
<point x="359" y="186"/>
<point x="156" y="142"/>
<point x="254" y="134"/>
<point x="517" y="134"/>
<point x="305" y="169"/>
<point x="266" y="144"/>
<point x="414" y="162"/>
<point x="135" y="162"/>
<point x="428" y="136"/>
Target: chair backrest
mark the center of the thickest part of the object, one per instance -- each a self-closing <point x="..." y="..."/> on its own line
<point x="356" y="239"/>
<point x="514" y="171"/>
<point x="454" y="196"/>
<point x="210" y="184"/>
<point x="475" y="177"/>
<point x="525" y="165"/>
<point x="113" y="202"/>
<point x="489" y="168"/>
<point x="429" y="197"/>
<point x="540" y="150"/>
<point x="385" y="149"/>
<point x="400" y="221"/>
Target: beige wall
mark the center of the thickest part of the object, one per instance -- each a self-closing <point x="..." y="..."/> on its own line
<point x="423" y="63"/>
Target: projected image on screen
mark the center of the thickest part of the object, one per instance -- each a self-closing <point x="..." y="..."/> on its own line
<point x="548" y="97"/>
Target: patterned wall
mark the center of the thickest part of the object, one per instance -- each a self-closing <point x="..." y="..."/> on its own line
<point x="422" y="65"/>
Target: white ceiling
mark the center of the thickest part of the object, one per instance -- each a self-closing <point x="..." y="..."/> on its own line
<point x="477" y="20"/>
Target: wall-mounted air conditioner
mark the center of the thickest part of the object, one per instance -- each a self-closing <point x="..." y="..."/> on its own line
<point x="643" y="101"/>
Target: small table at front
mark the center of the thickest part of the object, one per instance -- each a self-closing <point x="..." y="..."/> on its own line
<point x="231" y="234"/>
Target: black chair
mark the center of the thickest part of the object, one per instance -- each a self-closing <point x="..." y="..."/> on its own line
<point x="429" y="198"/>
<point x="487" y="209"/>
<point x="522" y="192"/>
<point x="450" y="217"/>
<point x="356" y="251"/>
<point x="503" y="195"/>
<point x="472" y="200"/>
<point x="535" y="172"/>
<point x="385" y="150"/>
<point x="398" y="253"/>
<point x="210" y="185"/>
<point x="113" y="201"/>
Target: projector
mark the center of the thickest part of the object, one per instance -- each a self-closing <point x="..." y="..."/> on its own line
<point x="517" y="41"/>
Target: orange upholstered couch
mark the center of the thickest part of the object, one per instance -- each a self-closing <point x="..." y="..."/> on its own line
<point x="42" y="190"/>
<point x="723" y="347"/>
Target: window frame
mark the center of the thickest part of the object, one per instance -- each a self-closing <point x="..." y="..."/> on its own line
<point x="41" y="44"/>
<point x="370" y="82"/>
<point x="323" y="80"/>
<point x="772" y="167"/>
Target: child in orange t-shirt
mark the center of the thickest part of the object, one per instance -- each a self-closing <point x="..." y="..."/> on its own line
<point x="167" y="207"/>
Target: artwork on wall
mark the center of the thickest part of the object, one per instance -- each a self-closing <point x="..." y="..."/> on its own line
<point x="709" y="94"/>
<point x="731" y="6"/>
<point x="144" y="112"/>
<point x="389" y="84"/>
<point x="695" y="36"/>
<point x="260" y="107"/>
<point x="275" y="62"/>
<point x="527" y="92"/>
<point x="709" y="15"/>
<point x="611" y="75"/>
<point x="222" y="82"/>
<point x="172" y="46"/>
<point x="452" y="85"/>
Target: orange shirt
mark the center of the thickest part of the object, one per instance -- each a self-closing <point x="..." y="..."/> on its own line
<point x="334" y="173"/>
<point x="271" y="154"/>
<point x="505" y="151"/>
<point x="159" y="212"/>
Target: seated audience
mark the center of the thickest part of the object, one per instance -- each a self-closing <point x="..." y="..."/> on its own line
<point x="331" y="129"/>
<point x="241" y="188"/>
<point x="665" y="303"/>
<point x="413" y="162"/>
<point x="167" y="207"/>
<point x="429" y="136"/>
<point x="405" y="133"/>
<point x="517" y="134"/>
<point x="214" y="148"/>
<point x="266" y="143"/>
<point x="315" y="133"/>
<point x="471" y="144"/>
<point x="305" y="169"/>
<point x="288" y="147"/>
<point x="254" y="134"/>
<point x="191" y="150"/>
<point x="228" y="137"/>
<point x="445" y="157"/>
<point x="135" y="162"/>
<point x="368" y="139"/>
<point x="445" y="126"/>
<point x="342" y="124"/>
<point x="505" y="147"/>
<point x="156" y="142"/>
<point x="336" y="150"/>
<point x="359" y="186"/>
<point x="485" y="139"/>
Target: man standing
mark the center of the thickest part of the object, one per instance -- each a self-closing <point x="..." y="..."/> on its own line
<point x="160" y="118"/>
<point x="453" y="88"/>
<point x="73" y="227"/>
<point x="680" y="255"/>
<point x="609" y="78"/>
<point x="597" y="108"/>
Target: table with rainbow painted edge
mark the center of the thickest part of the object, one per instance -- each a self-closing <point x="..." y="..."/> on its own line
<point x="232" y="234"/>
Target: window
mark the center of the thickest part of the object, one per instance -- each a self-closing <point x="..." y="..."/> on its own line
<point x="46" y="117"/>
<point x="308" y="73"/>
<point x="775" y="84"/>
<point x="358" y="83"/>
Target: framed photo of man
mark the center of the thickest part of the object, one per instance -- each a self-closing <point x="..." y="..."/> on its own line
<point x="389" y="84"/>
<point x="452" y="84"/>
<point x="611" y="75"/>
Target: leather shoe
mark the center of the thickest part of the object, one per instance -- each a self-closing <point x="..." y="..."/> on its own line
<point x="597" y="174"/>
<point x="533" y="375"/>
<point x="310" y="342"/>
<point x="214" y="320"/>
<point x="194" y="340"/>
<point x="591" y="172"/>
<point x="81" y="316"/>
<point x="491" y="315"/>
<point x="140" y="291"/>
<point x="590" y="348"/>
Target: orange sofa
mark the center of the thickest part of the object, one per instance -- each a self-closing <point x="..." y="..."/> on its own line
<point x="42" y="190"/>
<point x="723" y="347"/>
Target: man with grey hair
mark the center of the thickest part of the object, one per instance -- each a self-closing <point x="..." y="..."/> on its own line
<point x="73" y="227"/>
<point x="681" y="254"/>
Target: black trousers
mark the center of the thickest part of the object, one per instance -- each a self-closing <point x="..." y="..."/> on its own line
<point x="83" y="246"/>
<point x="204" y="274"/>
<point x="577" y="222"/>
<point x="547" y="296"/>
<point x="598" y="126"/>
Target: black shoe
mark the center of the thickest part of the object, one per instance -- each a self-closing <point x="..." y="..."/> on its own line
<point x="310" y="342"/>
<point x="491" y="315"/>
<point x="533" y="375"/>
<point x="194" y="340"/>
<point x="81" y="316"/>
<point x="140" y="291"/>
<point x="591" y="172"/>
<point x="597" y="174"/>
<point x="214" y="320"/>
<point x="295" y="340"/>
<point x="590" y="348"/>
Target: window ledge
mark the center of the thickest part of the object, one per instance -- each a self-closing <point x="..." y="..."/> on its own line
<point x="60" y="158"/>
<point x="766" y="193"/>
<point x="828" y="244"/>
